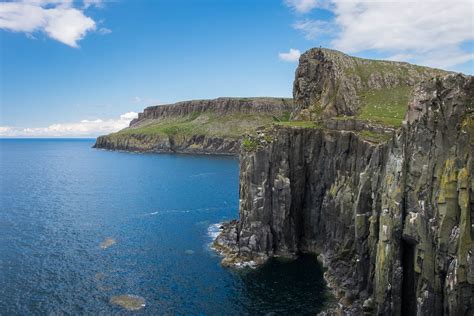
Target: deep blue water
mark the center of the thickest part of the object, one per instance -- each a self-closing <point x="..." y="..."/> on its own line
<point x="60" y="199"/>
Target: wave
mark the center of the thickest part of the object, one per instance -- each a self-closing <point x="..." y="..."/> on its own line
<point x="204" y="209"/>
<point x="204" y="174"/>
<point x="214" y="230"/>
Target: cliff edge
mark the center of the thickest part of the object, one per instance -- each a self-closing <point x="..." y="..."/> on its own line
<point x="198" y="126"/>
<point x="329" y="83"/>
<point x="389" y="209"/>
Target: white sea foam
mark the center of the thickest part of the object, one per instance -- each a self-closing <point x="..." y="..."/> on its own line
<point x="199" y="175"/>
<point x="214" y="230"/>
<point x="183" y="211"/>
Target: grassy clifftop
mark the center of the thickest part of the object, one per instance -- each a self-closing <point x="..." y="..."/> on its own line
<point x="206" y="124"/>
<point x="200" y="126"/>
<point x="329" y="83"/>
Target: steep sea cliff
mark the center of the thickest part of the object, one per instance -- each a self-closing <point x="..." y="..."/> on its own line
<point x="389" y="208"/>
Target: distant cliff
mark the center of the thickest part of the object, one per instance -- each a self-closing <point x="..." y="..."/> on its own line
<point x="199" y="126"/>
<point x="386" y="201"/>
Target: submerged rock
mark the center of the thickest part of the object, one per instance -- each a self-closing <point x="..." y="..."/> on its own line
<point x="99" y="276"/>
<point x="129" y="302"/>
<point x="108" y="242"/>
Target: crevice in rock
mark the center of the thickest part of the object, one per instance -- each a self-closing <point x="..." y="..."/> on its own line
<point x="408" y="283"/>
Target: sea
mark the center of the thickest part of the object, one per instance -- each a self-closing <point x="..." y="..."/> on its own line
<point x="92" y="232"/>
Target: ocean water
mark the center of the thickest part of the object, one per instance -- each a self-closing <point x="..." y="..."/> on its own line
<point x="79" y="226"/>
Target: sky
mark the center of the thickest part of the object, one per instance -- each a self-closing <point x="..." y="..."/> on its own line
<point x="85" y="68"/>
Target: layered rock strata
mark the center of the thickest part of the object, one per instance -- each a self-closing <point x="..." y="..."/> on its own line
<point x="392" y="221"/>
<point x="219" y="106"/>
<point x="200" y="126"/>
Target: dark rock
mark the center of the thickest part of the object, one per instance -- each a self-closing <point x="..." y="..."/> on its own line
<point x="392" y="221"/>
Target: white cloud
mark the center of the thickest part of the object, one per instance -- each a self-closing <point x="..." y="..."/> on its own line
<point x="304" y="6"/>
<point x="312" y="29"/>
<point x="97" y="3"/>
<point x="104" y="31"/>
<point x="136" y="100"/>
<point x="292" y="56"/>
<point x="429" y="32"/>
<point x="84" y="128"/>
<point x="57" y="19"/>
<point x="129" y="116"/>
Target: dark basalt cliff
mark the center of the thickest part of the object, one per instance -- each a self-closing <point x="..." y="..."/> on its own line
<point x="391" y="219"/>
<point x="199" y="126"/>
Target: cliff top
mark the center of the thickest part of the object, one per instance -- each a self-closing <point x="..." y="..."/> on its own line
<point x="250" y="100"/>
<point x="362" y="67"/>
<point x="220" y="107"/>
<point x="227" y="118"/>
<point x="329" y="83"/>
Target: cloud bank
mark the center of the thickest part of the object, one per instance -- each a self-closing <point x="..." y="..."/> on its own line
<point x="58" y="19"/>
<point x="292" y="56"/>
<point x="84" y="128"/>
<point x="430" y="32"/>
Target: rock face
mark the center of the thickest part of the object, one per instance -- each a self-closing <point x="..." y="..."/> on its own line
<point x="200" y="126"/>
<point x="330" y="83"/>
<point x="193" y="144"/>
<point x="392" y="221"/>
<point x="219" y="106"/>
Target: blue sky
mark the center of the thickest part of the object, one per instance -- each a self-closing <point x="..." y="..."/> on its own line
<point x="118" y="57"/>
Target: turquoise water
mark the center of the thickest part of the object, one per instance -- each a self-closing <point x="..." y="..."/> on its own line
<point x="79" y="226"/>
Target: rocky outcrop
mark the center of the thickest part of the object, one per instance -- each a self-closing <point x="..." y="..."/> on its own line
<point x="329" y="83"/>
<point x="219" y="106"/>
<point x="192" y="144"/>
<point x="392" y="221"/>
<point x="198" y="127"/>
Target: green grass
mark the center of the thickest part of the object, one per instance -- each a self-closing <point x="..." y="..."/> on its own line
<point x="285" y="117"/>
<point x="249" y="144"/>
<point x="207" y="124"/>
<point x="375" y="137"/>
<point x="386" y="106"/>
<point x="364" y="68"/>
<point x="306" y="124"/>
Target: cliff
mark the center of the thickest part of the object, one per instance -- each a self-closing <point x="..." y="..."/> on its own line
<point x="329" y="83"/>
<point x="199" y="126"/>
<point x="389" y="209"/>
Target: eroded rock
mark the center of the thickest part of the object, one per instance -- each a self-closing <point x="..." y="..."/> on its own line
<point x="392" y="220"/>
